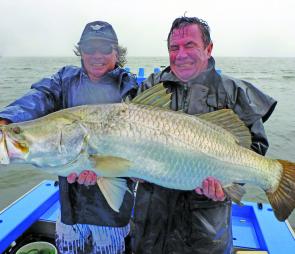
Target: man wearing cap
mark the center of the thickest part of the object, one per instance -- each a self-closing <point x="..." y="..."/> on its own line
<point x="87" y="224"/>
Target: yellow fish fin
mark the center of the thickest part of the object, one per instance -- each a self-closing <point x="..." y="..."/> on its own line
<point x="156" y="96"/>
<point x="282" y="199"/>
<point x="110" y="166"/>
<point x="235" y="192"/>
<point x="228" y="120"/>
<point x="113" y="189"/>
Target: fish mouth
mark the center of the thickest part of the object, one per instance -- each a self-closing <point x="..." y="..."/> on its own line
<point x="4" y="157"/>
<point x="11" y="149"/>
<point x="20" y="147"/>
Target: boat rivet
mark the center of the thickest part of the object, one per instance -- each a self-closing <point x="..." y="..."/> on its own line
<point x="260" y="206"/>
<point x="1" y="221"/>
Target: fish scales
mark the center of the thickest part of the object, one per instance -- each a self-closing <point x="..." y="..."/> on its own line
<point x="169" y="148"/>
<point x="142" y="125"/>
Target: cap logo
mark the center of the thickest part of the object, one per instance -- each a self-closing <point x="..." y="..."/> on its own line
<point x="96" y="27"/>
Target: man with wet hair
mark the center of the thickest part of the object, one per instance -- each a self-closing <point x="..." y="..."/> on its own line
<point x="87" y="224"/>
<point x="199" y="221"/>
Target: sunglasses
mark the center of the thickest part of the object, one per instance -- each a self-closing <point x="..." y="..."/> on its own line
<point x="103" y="49"/>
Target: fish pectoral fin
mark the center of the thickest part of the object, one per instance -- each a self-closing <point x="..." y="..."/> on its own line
<point x="110" y="166"/>
<point x="113" y="189"/>
<point x="235" y="192"/>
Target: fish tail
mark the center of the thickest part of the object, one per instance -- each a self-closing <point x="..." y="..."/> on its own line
<point x="282" y="199"/>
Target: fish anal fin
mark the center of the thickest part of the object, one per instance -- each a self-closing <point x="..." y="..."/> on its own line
<point x="228" y="120"/>
<point x="113" y="189"/>
<point x="282" y="199"/>
<point x="110" y="166"/>
<point x="235" y="192"/>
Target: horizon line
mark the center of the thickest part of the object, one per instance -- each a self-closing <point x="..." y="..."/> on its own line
<point x="73" y="56"/>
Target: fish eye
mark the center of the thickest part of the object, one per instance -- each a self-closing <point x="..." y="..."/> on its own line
<point x="16" y="130"/>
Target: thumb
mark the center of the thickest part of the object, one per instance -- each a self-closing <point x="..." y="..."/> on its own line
<point x="199" y="190"/>
<point x="71" y="178"/>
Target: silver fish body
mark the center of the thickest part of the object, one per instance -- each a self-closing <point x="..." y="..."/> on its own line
<point x="167" y="148"/>
<point x="171" y="149"/>
<point x="179" y="151"/>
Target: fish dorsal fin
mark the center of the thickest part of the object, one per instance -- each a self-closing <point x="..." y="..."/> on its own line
<point x="156" y="96"/>
<point x="113" y="189"/>
<point x="228" y="120"/>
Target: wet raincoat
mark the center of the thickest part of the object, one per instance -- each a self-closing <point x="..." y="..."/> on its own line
<point x="70" y="87"/>
<point x="183" y="222"/>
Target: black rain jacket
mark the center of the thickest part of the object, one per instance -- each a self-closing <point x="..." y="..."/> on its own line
<point x="181" y="222"/>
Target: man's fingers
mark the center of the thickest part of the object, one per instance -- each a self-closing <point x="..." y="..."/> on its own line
<point x="219" y="193"/>
<point x="93" y="178"/>
<point x="71" y="178"/>
<point x="205" y="187"/>
<point x="199" y="191"/>
<point x="4" y="121"/>
<point x="87" y="177"/>
<point x="82" y="177"/>
<point x="137" y="180"/>
<point x="90" y="179"/>
<point x="211" y="188"/>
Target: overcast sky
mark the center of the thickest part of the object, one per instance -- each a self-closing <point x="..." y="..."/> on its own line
<point x="239" y="28"/>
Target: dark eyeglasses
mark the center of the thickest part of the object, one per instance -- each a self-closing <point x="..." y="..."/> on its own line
<point x="103" y="49"/>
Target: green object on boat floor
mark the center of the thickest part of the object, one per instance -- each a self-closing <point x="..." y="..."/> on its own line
<point x="39" y="251"/>
<point x="37" y="248"/>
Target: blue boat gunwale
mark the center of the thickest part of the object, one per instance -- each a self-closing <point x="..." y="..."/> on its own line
<point x="22" y="213"/>
<point x="252" y="227"/>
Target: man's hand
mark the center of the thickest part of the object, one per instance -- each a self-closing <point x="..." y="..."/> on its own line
<point x="212" y="189"/>
<point x="4" y="122"/>
<point x="87" y="177"/>
<point x="137" y="180"/>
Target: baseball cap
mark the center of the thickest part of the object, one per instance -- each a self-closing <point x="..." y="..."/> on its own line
<point x="99" y="30"/>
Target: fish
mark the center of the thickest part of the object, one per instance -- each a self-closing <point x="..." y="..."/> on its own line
<point x="144" y="139"/>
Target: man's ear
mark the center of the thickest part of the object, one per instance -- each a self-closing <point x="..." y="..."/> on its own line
<point x="209" y="49"/>
<point x="117" y="56"/>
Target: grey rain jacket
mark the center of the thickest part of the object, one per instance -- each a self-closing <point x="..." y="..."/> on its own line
<point x="79" y="203"/>
<point x="182" y="222"/>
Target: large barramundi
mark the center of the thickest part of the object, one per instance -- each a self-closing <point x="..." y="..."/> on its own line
<point x="168" y="148"/>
